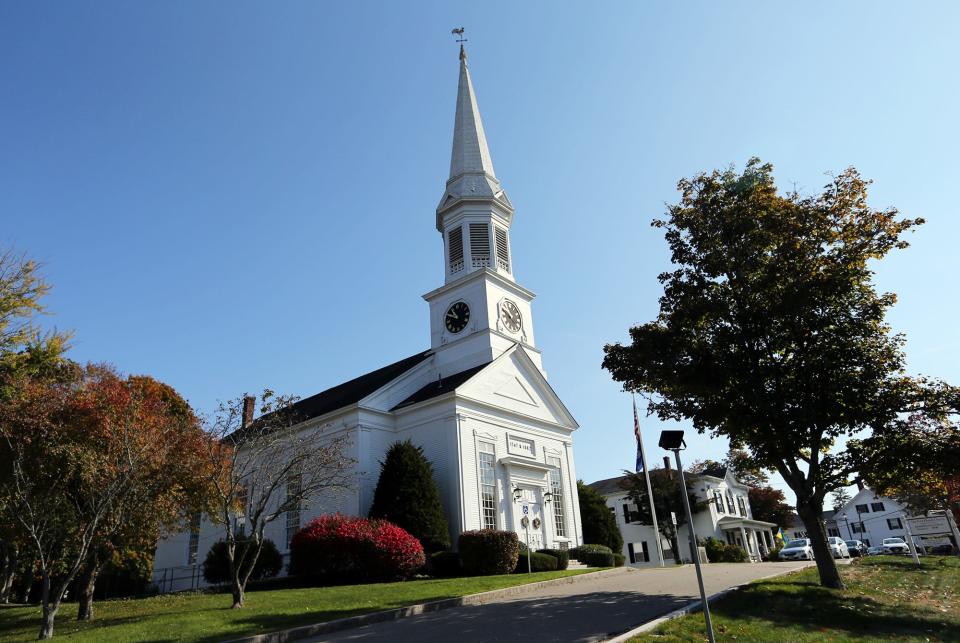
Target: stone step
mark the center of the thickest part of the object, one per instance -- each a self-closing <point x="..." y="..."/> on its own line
<point x="575" y="564"/>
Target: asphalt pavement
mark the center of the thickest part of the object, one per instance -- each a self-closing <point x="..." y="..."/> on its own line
<point x="592" y="609"/>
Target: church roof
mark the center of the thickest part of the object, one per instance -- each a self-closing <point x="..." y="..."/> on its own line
<point x="717" y="472"/>
<point x="441" y="386"/>
<point x="356" y="389"/>
<point x="471" y="167"/>
<point x="611" y="486"/>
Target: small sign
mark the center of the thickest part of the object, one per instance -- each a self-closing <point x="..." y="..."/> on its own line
<point x="929" y="525"/>
<point x="526" y="509"/>
<point x="673" y="518"/>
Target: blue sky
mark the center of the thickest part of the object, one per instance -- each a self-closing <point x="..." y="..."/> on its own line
<point x="232" y="195"/>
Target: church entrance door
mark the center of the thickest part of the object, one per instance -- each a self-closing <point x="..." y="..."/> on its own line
<point x="529" y="512"/>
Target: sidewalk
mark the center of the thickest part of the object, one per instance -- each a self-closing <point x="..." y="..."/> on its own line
<point x="591" y="610"/>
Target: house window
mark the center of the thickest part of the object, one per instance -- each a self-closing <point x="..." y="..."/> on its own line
<point x="894" y="523"/>
<point x="730" y="507"/>
<point x="193" y="544"/>
<point x="503" y="251"/>
<point x="488" y="487"/>
<point x="857" y="527"/>
<point x="743" y="508"/>
<point x="862" y="509"/>
<point x="831" y="531"/>
<point x="876" y="506"/>
<point x="455" y="249"/>
<point x="294" y="483"/>
<point x="630" y="552"/>
<point x="556" y="489"/>
<point x="240" y="517"/>
<point x="626" y="514"/>
<point x="718" y="500"/>
<point x="479" y="245"/>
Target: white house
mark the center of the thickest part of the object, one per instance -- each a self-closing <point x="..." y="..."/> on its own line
<point x="727" y="517"/>
<point x="477" y="400"/>
<point x="870" y="518"/>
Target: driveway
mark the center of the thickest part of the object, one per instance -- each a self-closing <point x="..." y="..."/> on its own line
<point x="589" y="610"/>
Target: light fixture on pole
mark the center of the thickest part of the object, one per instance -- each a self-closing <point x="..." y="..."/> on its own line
<point x="524" y="522"/>
<point x="673" y="441"/>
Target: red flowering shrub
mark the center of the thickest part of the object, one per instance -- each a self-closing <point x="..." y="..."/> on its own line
<point x="345" y="549"/>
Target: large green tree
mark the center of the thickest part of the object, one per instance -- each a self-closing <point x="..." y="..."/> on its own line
<point x="599" y="523"/>
<point x="771" y="333"/>
<point x="407" y="495"/>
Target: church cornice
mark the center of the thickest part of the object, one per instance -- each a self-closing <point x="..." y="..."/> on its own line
<point x="511" y="286"/>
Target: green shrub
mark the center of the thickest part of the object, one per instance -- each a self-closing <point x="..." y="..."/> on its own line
<point x="562" y="556"/>
<point x="538" y="563"/>
<point x="597" y="558"/>
<point x="407" y="496"/>
<point x="773" y="555"/>
<point x="721" y="552"/>
<point x="599" y="523"/>
<point x="579" y="552"/>
<point x="444" y="564"/>
<point x="216" y="566"/>
<point x="619" y="560"/>
<point x="487" y="552"/>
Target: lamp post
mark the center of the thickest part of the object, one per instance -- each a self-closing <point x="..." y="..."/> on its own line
<point x="673" y="441"/>
<point x="524" y="522"/>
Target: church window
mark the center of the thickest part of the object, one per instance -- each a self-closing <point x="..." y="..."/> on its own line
<point x="556" y="489"/>
<point x="479" y="245"/>
<point x="293" y="506"/>
<point x="718" y="500"/>
<point x="455" y="249"/>
<point x="193" y="544"/>
<point x="488" y="487"/>
<point x="503" y="249"/>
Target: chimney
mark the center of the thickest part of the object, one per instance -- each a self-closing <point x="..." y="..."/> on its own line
<point x="248" y="402"/>
<point x="666" y="465"/>
<point x="859" y="484"/>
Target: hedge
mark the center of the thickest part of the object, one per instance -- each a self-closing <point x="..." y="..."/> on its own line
<point x="538" y="563"/>
<point x="597" y="559"/>
<point x="619" y="560"/>
<point x="721" y="552"/>
<point x="487" y="552"/>
<point x="348" y="549"/>
<point x="583" y="550"/>
<point x="216" y="566"/>
<point x="444" y="564"/>
<point x="562" y="556"/>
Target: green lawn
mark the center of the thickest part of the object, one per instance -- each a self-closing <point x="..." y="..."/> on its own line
<point x="887" y="599"/>
<point x="208" y="617"/>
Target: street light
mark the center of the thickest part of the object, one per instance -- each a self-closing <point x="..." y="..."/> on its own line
<point x="673" y="441"/>
<point x="524" y="522"/>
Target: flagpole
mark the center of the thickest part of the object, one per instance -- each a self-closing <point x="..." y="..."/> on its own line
<point x="646" y="475"/>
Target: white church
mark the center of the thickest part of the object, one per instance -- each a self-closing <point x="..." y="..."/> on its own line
<point x="478" y="401"/>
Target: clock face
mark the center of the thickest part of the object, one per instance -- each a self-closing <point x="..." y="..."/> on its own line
<point x="457" y="317"/>
<point x="510" y="316"/>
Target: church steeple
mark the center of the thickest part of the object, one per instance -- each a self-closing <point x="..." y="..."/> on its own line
<point x="473" y="194"/>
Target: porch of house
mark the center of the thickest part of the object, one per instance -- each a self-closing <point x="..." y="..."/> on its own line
<point x="754" y="536"/>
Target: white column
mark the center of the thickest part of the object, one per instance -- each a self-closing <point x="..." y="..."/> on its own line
<point x="746" y="543"/>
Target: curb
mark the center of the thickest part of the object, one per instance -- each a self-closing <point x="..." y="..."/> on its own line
<point x="360" y="620"/>
<point x="695" y="606"/>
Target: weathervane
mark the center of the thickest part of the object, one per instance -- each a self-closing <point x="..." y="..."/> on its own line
<point x="459" y="34"/>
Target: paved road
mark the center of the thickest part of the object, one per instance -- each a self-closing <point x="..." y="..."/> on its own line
<point x="589" y="610"/>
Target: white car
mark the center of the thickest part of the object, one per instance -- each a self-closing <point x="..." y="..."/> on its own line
<point x="895" y="546"/>
<point x="797" y="549"/>
<point x="874" y="551"/>
<point x="837" y="547"/>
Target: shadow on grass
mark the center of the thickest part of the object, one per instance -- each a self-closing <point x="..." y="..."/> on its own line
<point x="820" y="608"/>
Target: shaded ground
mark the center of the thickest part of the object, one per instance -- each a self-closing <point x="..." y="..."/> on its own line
<point x="887" y="598"/>
<point x="589" y="610"/>
<point x="208" y="617"/>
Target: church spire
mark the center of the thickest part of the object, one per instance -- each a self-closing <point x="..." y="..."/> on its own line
<point x="471" y="168"/>
<point x="470" y="152"/>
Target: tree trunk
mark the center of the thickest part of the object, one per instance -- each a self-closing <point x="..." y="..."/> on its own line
<point x="27" y="583"/>
<point x="49" y="609"/>
<point x="85" y="594"/>
<point x="9" y="569"/>
<point x="237" y="594"/>
<point x="812" y="517"/>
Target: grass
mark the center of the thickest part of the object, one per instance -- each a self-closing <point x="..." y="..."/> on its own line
<point x="208" y="617"/>
<point x="887" y="599"/>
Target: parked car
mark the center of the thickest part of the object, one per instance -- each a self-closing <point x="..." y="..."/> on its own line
<point x="797" y="549"/>
<point x="895" y="546"/>
<point x="837" y="547"/>
<point x="874" y="551"/>
<point x="856" y="548"/>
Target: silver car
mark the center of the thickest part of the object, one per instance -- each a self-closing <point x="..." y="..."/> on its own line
<point x="797" y="549"/>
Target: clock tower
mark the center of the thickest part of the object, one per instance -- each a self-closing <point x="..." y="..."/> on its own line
<point x="481" y="311"/>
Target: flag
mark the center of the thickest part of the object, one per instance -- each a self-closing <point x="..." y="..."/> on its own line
<point x="779" y="537"/>
<point x="636" y="434"/>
